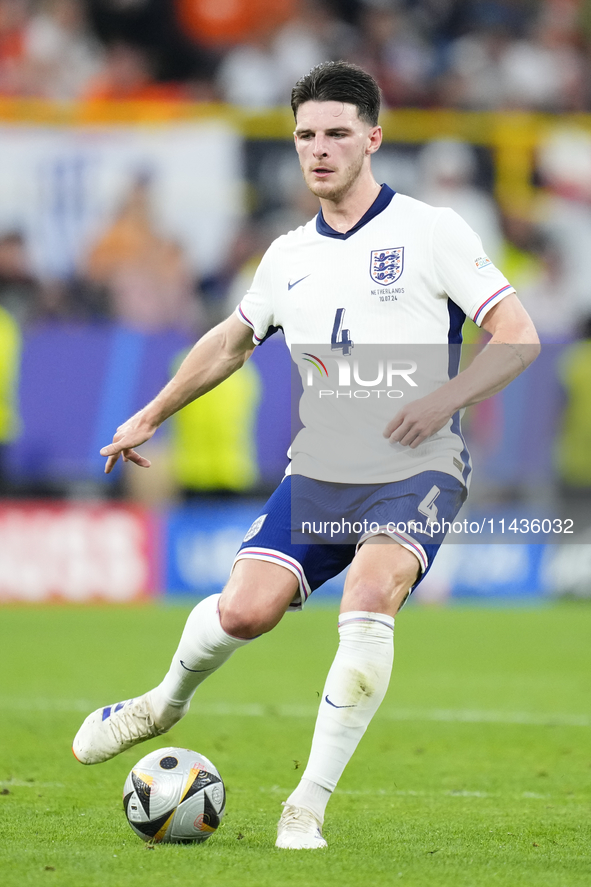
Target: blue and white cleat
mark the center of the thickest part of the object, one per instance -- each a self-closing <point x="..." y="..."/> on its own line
<point x="113" y="729"/>
<point x="298" y="829"/>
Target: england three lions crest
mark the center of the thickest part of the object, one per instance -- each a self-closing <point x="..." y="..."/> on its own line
<point x="386" y="265"/>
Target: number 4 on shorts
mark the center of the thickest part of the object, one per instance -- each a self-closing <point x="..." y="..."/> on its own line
<point x="427" y="505"/>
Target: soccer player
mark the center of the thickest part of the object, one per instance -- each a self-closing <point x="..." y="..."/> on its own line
<point x="412" y="467"/>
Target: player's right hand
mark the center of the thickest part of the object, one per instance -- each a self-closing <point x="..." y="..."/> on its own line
<point x="131" y="434"/>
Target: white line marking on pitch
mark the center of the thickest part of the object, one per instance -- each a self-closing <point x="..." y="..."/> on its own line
<point x="257" y="710"/>
<point x="22" y="783"/>
<point x="406" y="793"/>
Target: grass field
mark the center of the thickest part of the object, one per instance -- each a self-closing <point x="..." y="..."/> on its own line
<point x="476" y="770"/>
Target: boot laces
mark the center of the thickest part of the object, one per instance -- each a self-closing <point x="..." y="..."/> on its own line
<point x="132" y="722"/>
<point x="298" y="819"/>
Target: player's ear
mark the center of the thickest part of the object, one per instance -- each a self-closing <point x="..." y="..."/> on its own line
<point x="374" y="139"/>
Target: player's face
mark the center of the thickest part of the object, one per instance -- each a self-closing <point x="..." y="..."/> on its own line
<point x="334" y="147"/>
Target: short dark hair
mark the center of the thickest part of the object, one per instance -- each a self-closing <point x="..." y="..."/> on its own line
<point x="339" y="82"/>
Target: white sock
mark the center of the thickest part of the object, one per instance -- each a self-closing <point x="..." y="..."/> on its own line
<point x="311" y="796"/>
<point x="355" y="686"/>
<point x="203" y="647"/>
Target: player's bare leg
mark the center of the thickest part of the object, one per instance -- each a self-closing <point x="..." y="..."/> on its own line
<point x="377" y="585"/>
<point x="380" y="578"/>
<point x="254" y="601"/>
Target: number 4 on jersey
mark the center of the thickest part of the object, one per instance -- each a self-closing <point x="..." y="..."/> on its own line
<point x="344" y="341"/>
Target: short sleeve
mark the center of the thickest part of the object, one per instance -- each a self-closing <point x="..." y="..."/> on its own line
<point x="256" y="308"/>
<point x="463" y="270"/>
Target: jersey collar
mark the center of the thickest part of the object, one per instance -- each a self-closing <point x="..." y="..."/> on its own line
<point x="380" y="203"/>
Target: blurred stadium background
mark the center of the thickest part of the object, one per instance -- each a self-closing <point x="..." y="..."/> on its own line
<point x="146" y="163"/>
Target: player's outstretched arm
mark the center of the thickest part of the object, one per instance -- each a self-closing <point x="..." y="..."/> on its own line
<point x="513" y="346"/>
<point x="217" y="355"/>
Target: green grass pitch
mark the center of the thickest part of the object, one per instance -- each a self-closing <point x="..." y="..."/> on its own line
<point x="476" y="770"/>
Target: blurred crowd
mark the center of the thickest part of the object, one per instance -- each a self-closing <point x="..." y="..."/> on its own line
<point x="493" y="54"/>
<point x="468" y="54"/>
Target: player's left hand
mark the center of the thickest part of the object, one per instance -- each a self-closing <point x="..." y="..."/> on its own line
<point x="418" y="420"/>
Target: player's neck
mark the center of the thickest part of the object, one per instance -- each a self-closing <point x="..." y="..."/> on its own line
<point x="343" y="214"/>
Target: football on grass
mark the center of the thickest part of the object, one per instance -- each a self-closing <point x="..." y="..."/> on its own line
<point x="174" y="796"/>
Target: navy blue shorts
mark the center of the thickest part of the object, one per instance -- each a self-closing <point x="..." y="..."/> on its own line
<point x="314" y="528"/>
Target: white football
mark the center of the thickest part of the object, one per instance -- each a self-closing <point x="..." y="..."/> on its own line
<point x="174" y="796"/>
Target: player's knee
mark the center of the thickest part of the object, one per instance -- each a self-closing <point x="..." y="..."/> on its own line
<point x="368" y="596"/>
<point x="372" y="597"/>
<point x="242" y="620"/>
<point x="255" y="598"/>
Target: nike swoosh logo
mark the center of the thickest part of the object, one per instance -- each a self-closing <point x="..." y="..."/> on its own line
<point x="291" y="285"/>
<point x="195" y="670"/>
<point x="326" y="699"/>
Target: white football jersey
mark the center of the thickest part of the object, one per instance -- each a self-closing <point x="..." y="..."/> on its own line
<point x="406" y="275"/>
